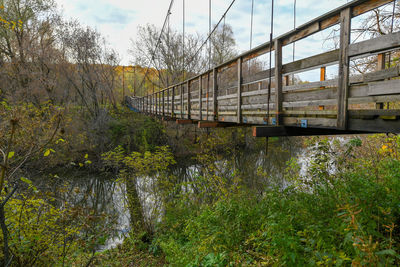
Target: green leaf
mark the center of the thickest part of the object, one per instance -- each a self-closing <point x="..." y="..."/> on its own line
<point x="11" y="154"/>
<point x="88" y="162"/>
<point x="26" y="180"/>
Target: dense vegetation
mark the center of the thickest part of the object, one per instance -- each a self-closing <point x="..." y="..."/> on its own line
<point x="61" y="111"/>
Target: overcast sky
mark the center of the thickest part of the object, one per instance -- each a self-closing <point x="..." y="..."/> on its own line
<point x="118" y="20"/>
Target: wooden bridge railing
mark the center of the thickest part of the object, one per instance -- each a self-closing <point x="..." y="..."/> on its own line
<point x="231" y="92"/>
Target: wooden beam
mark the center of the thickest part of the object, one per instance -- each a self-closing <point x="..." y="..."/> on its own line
<point x="215" y="94"/>
<point x="269" y="131"/>
<point x="188" y="99"/>
<point x="181" y="96"/>
<point x="184" y="121"/>
<point x="163" y="102"/>
<point x="200" y="97"/>
<point x="381" y="43"/>
<point x="278" y="82"/>
<point x="214" y="124"/>
<point x="344" y="62"/>
<point x="239" y="91"/>
<point x="173" y="102"/>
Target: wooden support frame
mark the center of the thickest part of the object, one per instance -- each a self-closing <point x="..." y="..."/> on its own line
<point x="278" y="82"/>
<point x="239" y="91"/>
<point x="344" y="70"/>
<point x="214" y="124"/>
<point x="163" y="102"/>
<point x="188" y="100"/>
<point x="181" y="100"/>
<point x="200" y="98"/>
<point x="185" y="121"/>
<point x="173" y="103"/>
<point x="215" y="94"/>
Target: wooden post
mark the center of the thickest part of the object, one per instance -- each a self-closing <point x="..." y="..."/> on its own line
<point x="207" y="93"/>
<point x="168" y="108"/>
<point x="285" y="81"/>
<point x="188" y="99"/>
<point x="173" y="103"/>
<point x="200" y="100"/>
<point x="322" y="77"/>
<point x="215" y="94"/>
<point x="239" y="91"/>
<point x="380" y="66"/>
<point x="163" y="102"/>
<point x="344" y="62"/>
<point x="181" y="100"/>
<point x="278" y="81"/>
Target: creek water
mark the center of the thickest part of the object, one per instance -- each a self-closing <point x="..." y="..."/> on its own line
<point x="257" y="169"/>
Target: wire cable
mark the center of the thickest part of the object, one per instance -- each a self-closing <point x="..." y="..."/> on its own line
<point x="270" y="59"/>
<point x="215" y="27"/>
<point x="158" y="42"/>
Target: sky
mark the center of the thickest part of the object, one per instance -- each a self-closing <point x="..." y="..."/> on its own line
<point x="118" y="20"/>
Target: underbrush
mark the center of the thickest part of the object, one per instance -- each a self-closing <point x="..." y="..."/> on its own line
<point x="342" y="218"/>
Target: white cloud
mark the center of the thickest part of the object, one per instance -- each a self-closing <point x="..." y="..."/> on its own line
<point x="118" y="19"/>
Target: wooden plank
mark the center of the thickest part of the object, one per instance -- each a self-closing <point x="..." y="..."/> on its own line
<point x="307" y="31"/>
<point x="239" y="91"/>
<point x="278" y="81"/>
<point x="259" y="76"/>
<point x="377" y="125"/>
<point x="184" y="121"/>
<point x="344" y="71"/>
<point x="316" y="94"/>
<point x="381" y="74"/>
<point x="389" y="87"/>
<point x="381" y="43"/>
<point x="214" y="124"/>
<point x="368" y="6"/>
<point x="310" y="86"/>
<point x="323" y="59"/>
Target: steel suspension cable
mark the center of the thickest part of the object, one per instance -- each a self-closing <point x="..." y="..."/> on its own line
<point x="215" y="27"/>
<point x="294" y="27"/>
<point x="158" y="42"/>
<point x="270" y="59"/>
<point x="251" y="24"/>
<point x="183" y="41"/>
<point x="392" y="25"/>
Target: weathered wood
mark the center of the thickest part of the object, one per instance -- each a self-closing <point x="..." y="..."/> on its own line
<point x="200" y="96"/>
<point x="173" y="103"/>
<point x="163" y="102"/>
<point x="323" y="59"/>
<point x="184" y="121"/>
<point x="239" y="91"/>
<point x="381" y="43"/>
<point x="181" y="98"/>
<point x="390" y="87"/>
<point x="344" y="71"/>
<point x="278" y="81"/>
<point x="189" y="105"/>
<point x="368" y="6"/>
<point x="215" y="93"/>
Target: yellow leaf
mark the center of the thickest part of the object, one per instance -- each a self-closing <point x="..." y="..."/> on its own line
<point x="80" y="164"/>
<point x="86" y="156"/>
<point x="384" y="147"/>
<point x="47" y="152"/>
<point x="11" y="154"/>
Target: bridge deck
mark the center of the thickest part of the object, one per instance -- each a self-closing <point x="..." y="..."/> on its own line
<point x="237" y="92"/>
